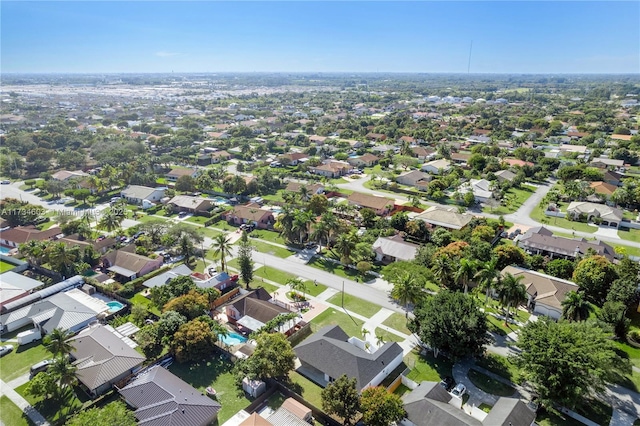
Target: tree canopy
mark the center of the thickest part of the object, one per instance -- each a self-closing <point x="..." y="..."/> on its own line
<point x="341" y="398"/>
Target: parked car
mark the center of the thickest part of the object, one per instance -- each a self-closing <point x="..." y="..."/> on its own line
<point x="40" y="367"/>
<point x="459" y="390"/>
<point x="448" y="383"/>
<point x="5" y="182"/>
<point x="182" y="214"/>
<point x="5" y="349"/>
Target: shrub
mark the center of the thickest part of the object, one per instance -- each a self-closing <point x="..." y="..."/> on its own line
<point x="128" y="290"/>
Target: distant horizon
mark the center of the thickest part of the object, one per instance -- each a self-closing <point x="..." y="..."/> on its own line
<point x="422" y="37"/>
<point x="321" y="72"/>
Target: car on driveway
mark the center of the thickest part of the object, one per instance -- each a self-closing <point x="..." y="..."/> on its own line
<point x="6" y="182"/>
<point x="459" y="390"/>
<point x="448" y="383"/>
<point x="5" y="349"/>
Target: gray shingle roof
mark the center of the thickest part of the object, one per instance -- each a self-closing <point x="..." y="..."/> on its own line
<point x="329" y="351"/>
<point x="159" y="280"/>
<point x="101" y="356"/>
<point x="508" y="412"/>
<point x="163" y="399"/>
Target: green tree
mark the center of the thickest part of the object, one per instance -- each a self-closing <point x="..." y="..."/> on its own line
<point x="488" y="276"/>
<point x="613" y="315"/>
<point x="110" y="221"/>
<point x="407" y="289"/>
<point x="567" y="361"/>
<point x="443" y="270"/>
<point x="441" y="237"/>
<point x="149" y="340"/>
<point x="176" y="287"/>
<point x="185" y="184"/>
<point x="42" y="385"/>
<point x="245" y="259"/>
<point x="221" y="249"/>
<point x="273" y="357"/>
<point x="194" y="341"/>
<point x="465" y="273"/>
<point x="451" y="322"/>
<point x="341" y="398"/>
<point x="64" y="372"/>
<point x="168" y="324"/>
<point x="594" y="275"/>
<point x="380" y="408"/>
<point x="139" y="313"/>
<point x="190" y="305"/>
<point x="57" y="342"/>
<point x="113" y="414"/>
<point x="511" y="292"/>
<point x="561" y="268"/>
<point x="574" y="307"/>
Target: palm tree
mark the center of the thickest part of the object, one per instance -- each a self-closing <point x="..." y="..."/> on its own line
<point x="465" y="273"/>
<point x="186" y="247"/>
<point x="110" y="221"/>
<point x="345" y="245"/>
<point x="301" y="223"/>
<point x="575" y="307"/>
<point x="303" y="193"/>
<point x="219" y="330"/>
<point x="365" y="333"/>
<point x="379" y="339"/>
<point x="284" y="223"/>
<point x="296" y="284"/>
<point x="64" y="371"/>
<point x="61" y="258"/>
<point x="511" y="292"/>
<point x="442" y="269"/>
<point x="221" y="248"/>
<point x="57" y="342"/>
<point x="34" y="250"/>
<point x="407" y="290"/>
<point x="487" y="276"/>
<point x="320" y="232"/>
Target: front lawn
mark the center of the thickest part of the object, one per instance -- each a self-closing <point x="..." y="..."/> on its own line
<point x="20" y="360"/>
<point x="513" y="200"/>
<point x="595" y="410"/>
<point x="265" y="234"/>
<point x="11" y="414"/>
<point x="551" y="417"/>
<point x="351" y="326"/>
<point x="57" y="409"/>
<point x="267" y="248"/>
<point x="313" y="289"/>
<point x="217" y="373"/>
<point x="397" y="322"/>
<point x="339" y="269"/>
<point x="355" y="304"/>
<point x="630" y="235"/>
<point x="630" y="352"/>
<point x="538" y="214"/>
<point x="427" y="367"/>
<point x="500" y="365"/>
<point x="490" y="385"/>
<point x="386" y="336"/>
<point x="273" y="274"/>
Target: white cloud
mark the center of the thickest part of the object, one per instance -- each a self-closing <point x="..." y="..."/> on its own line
<point x="164" y="54"/>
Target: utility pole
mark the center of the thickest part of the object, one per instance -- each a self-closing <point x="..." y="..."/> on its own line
<point x="469" y="63"/>
<point x="342" y="294"/>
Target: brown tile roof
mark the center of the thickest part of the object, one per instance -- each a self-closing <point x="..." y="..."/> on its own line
<point x="621" y="137"/>
<point x="370" y="201"/>
<point x="603" y="188"/>
<point x="131" y="261"/>
<point x="543" y="288"/>
<point x="249" y="212"/>
<point x="22" y="234"/>
<point x="181" y="172"/>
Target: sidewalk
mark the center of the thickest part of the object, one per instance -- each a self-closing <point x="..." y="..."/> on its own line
<point x="22" y="403"/>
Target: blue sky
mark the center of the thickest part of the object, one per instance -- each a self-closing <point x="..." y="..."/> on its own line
<point x="145" y="36"/>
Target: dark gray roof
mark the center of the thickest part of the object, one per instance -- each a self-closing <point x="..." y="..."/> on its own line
<point x="163" y="399"/>
<point x="329" y="351"/>
<point x="260" y="293"/>
<point x="428" y="405"/>
<point x="159" y="280"/>
<point x="540" y="239"/>
<point x="509" y="412"/>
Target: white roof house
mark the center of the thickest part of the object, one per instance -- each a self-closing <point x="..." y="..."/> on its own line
<point x="479" y="187"/>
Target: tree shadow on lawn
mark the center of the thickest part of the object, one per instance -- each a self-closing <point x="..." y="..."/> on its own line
<point x="204" y="373"/>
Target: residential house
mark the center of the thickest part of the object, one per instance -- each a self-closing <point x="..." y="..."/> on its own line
<point x="129" y="265"/>
<point x="14" y="286"/>
<point x="330" y="353"/>
<point x="103" y="358"/>
<point x="436" y="166"/>
<point x="516" y="162"/>
<point x="317" y="140"/>
<point x="392" y="249"/>
<point x="613" y="178"/>
<point x="100" y="246"/>
<point x="139" y="195"/>
<point x="181" y="270"/>
<point x="430" y="404"/>
<point x="407" y="139"/>
<point x="460" y="157"/>
<point x="64" y="175"/>
<point x="580" y="149"/>
<point x="446" y="217"/>
<point x="376" y="137"/>
<point x="620" y="137"/>
<point x="423" y="153"/>
<point x="355" y="144"/>
<point x="545" y="293"/>
<point x="381" y="205"/>
<point x="480" y="189"/>
<point x="254" y="309"/>
<point x="22" y="234"/>
<point x="220" y="157"/>
<point x="332" y="168"/>
<point x="316" y="188"/>
<point x="603" y="188"/>
<point x="610" y="216"/>
<point x="365" y="160"/>
<point x="606" y="163"/>
<point x="293" y="158"/>
<point x="540" y="240"/>
<point x="177" y="173"/>
<point x="187" y="203"/>
<point x="505" y="176"/>
<point x="415" y="178"/>
<point x="160" y="398"/>
<point x="250" y="214"/>
<point x="70" y="310"/>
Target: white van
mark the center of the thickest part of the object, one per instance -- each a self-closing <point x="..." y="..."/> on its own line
<point x="29" y="336"/>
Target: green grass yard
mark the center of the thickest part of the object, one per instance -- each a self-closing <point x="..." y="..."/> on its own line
<point x="351" y="326"/>
<point x="427" y="367"/>
<point x="217" y="373"/>
<point x="306" y="388"/>
<point x="386" y="336"/>
<point x="501" y="366"/>
<point x="514" y="199"/>
<point x="139" y="299"/>
<point x="538" y="214"/>
<point x="273" y="274"/>
<point x="490" y="385"/>
<point x="20" y="360"/>
<point x="5" y="266"/>
<point x="355" y="304"/>
<point x="265" y="234"/>
<point x="339" y="269"/>
<point x="397" y="322"/>
<point x="11" y="414"/>
<point x="267" y="248"/>
<point x="56" y="410"/>
<point x="630" y="235"/>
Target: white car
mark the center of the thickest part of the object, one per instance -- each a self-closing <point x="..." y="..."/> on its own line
<point x="6" y="182"/>
<point x="5" y="349"/>
<point x="459" y="390"/>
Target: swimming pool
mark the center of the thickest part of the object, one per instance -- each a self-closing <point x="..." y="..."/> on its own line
<point x="114" y="306"/>
<point x="233" y="339"/>
<point x="220" y="200"/>
<point x="4" y="250"/>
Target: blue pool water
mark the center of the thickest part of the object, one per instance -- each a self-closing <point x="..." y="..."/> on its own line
<point x="220" y="200"/>
<point x="233" y="339"/>
<point x="115" y="306"/>
<point x="4" y="250"/>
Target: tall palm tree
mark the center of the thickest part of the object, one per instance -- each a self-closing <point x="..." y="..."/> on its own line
<point x="304" y="193"/>
<point x="61" y="258"/>
<point x="284" y="223"/>
<point x="320" y="233"/>
<point x="575" y="307"/>
<point x="186" y="247"/>
<point x="511" y="292"/>
<point x="345" y="245"/>
<point x="34" y="250"/>
<point x="219" y="330"/>
<point x="296" y="284"/>
<point x="110" y="221"/>
<point x="487" y="276"/>
<point x="465" y="273"/>
<point x="442" y="269"/>
<point x="365" y="333"/>
<point x="221" y="248"/>
<point x="64" y="371"/>
<point x="57" y="343"/>
<point x="379" y="339"/>
<point x="407" y="290"/>
<point x="301" y="223"/>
